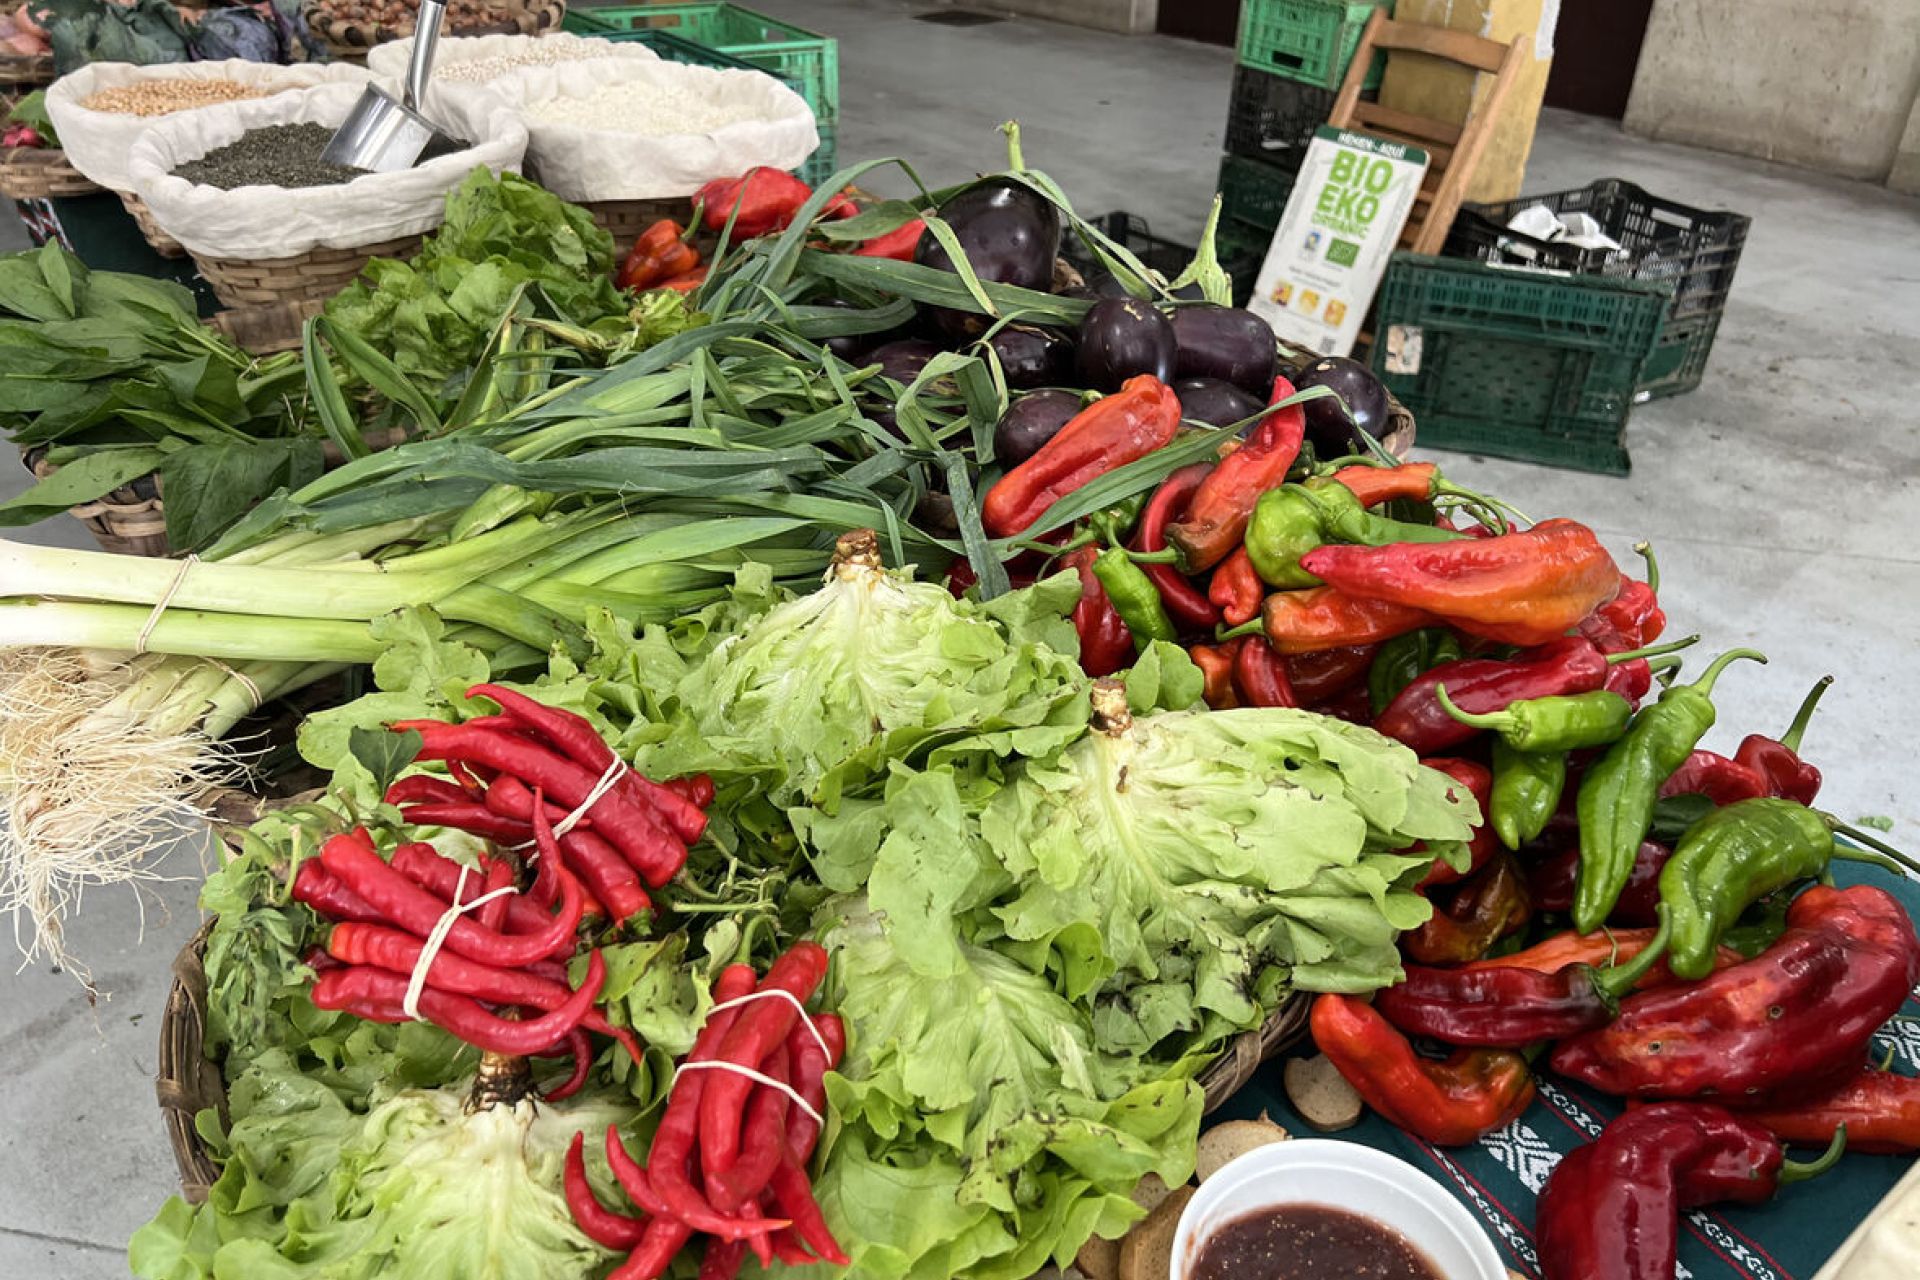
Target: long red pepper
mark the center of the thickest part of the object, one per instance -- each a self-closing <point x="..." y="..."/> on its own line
<point x="763" y="1025"/>
<point x="1221" y="508"/>
<point x="439" y="875"/>
<point x="760" y="200"/>
<point x="602" y="1225"/>
<point x="762" y="1134"/>
<point x="794" y="1195"/>
<point x="472" y="817"/>
<point x="1328" y="618"/>
<point x="418" y="788"/>
<point x="662" y="1189"/>
<point x="1105" y="643"/>
<point x="1109" y="433"/>
<point x="1236" y="588"/>
<point x="1551" y="881"/>
<point x="1322" y="674"/>
<point x="811" y="1065"/>
<point x="412" y="907"/>
<point x="1881" y="1110"/>
<point x="1606" y="946"/>
<point x="364" y="986"/>
<point x="320" y="889"/>
<point x="1415" y="717"/>
<point x="576" y="738"/>
<point x="580" y="1049"/>
<point x="722" y="1260"/>
<point x="511" y="798"/>
<point x="656" y="1251"/>
<point x="1259" y="676"/>
<point x="1477" y="782"/>
<point x="607" y="874"/>
<point x="629" y="826"/>
<point x="1186" y="604"/>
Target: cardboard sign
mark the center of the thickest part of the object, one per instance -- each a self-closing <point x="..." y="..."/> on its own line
<point x="1343" y="219"/>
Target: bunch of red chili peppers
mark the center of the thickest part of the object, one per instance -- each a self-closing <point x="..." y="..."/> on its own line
<point x="729" y="1157"/>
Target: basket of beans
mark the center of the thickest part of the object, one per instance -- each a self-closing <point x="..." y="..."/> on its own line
<point x="351" y="27"/>
<point x="243" y="188"/>
<point x="101" y="109"/>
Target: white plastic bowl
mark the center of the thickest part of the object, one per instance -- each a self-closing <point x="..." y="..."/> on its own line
<point x="1340" y="1175"/>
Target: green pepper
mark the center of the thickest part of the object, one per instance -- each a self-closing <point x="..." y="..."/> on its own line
<point x="1403" y="659"/>
<point x="1346" y="519"/>
<point x="1116" y="522"/>
<point x="1527" y="786"/>
<point x="1286" y="524"/>
<point x="1563" y="722"/>
<point x="1134" y="597"/>
<point x="1730" y="859"/>
<point x="1618" y="793"/>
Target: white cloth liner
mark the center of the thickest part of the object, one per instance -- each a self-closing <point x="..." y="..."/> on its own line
<point x="97" y="143"/>
<point x="388" y="62"/>
<point x="591" y="165"/>
<point x="265" y="223"/>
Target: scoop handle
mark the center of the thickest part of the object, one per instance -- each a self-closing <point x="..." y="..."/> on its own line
<point x="426" y="40"/>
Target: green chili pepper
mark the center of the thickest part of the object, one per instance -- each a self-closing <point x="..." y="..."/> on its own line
<point x="1345" y="519"/>
<point x="1564" y="722"/>
<point x="1116" y="522"/>
<point x="1732" y="858"/>
<point x="1287" y="523"/>
<point x="1527" y="786"/>
<point x="1403" y="659"/>
<point x="1618" y="793"/>
<point x="1134" y="597"/>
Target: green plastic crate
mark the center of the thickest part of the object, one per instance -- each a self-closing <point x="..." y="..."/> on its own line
<point x="821" y="164"/>
<point x="1679" y="359"/>
<point x="1307" y="40"/>
<point x="1513" y="363"/>
<point x="808" y="61"/>
<point x="1253" y="194"/>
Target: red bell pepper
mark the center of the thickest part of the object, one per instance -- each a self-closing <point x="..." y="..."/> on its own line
<point x="1109" y="433"/>
<point x="759" y="201"/>
<point x="897" y="244"/>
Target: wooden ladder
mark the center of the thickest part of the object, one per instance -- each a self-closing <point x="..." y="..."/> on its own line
<point x="1454" y="148"/>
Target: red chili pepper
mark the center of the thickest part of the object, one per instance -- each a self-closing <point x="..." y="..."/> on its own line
<point x="493" y="913"/>
<point x="1259" y="677"/>
<point x="630" y="826"/>
<point x="1216" y="668"/>
<point x="419" y="788"/>
<point x="1412" y="481"/>
<point x="511" y="798"/>
<point x="439" y="875"/>
<point x="1237" y="589"/>
<point x="1777" y="760"/>
<point x="462" y="1016"/>
<point x="1105" y="643"/>
<point x="762" y="1135"/>
<point x="696" y="789"/>
<point x="657" y="1249"/>
<point x="794" y="1195"/>
<point x="1322" y="674"/>
<point x="1880" y="1109"/>
<point x="1186" y="604"/>
<point x="1710" y="774"/>
<point x="759" y="200"/>
<point x="1328" y="618"/>
<point x="1519" y="588"/>
<point x="320" y="889"/>
<point x="722" y="1260"/>
<point x="580" y="1049"/>
<point x="1603" y="946"/>
<point x="1632" y="680"/>
<point x="659" y="253"/>
<point x="414" y="908"/>
<point x="1843" y="967"/>
<point x="471" y="817"/>
<point x="1109" y="433"/>
<point x="1449" y="1103"/>
<point x="1551" y="882"/>
<point x="600" y="1224"/>
<point x="1415" y="717"/>
<point x="763" y="1025"/>
<point x="841" y="207"/>
<point x="596" y="862"/>
<point x="1477" y="780"/>
<point x="810" y="1066"/>
<point x="1484" y="909"/>
<point x="1221" y="508"/>
<point x="577" y="739"/>
<point x="898" y="244"/>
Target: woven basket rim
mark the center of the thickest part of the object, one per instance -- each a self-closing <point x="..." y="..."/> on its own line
<point x="353" y="37"/>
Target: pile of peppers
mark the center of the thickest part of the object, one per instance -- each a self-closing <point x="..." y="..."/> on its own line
<point x="729" y="1157"/>
<point x="1641" y="915"/>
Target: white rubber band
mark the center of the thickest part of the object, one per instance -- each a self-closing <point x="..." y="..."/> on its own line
<point x="779" y="993"/>
<point x="160" y="607"/>
<point x="571" y="820"/>
<point x="436" y="939"/>
<point x="714" y="1064"/>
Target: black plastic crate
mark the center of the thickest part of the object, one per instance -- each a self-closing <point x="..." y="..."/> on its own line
<point x="1168" y="257"/>
<point x="1697" y="250"/>
<point x="1272" y="118"/>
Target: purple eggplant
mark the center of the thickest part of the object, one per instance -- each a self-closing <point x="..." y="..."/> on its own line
<point x="1358" y="401"/>
<point x="1227" y="343"/>
<point x="1033" y="357"/>
<point x="1010" y="234"/>
<point x="1214" y="402"/>
<point x="1122" y="338"/>
<point x="904" y="359"/>
<point x="1029" y="422"/>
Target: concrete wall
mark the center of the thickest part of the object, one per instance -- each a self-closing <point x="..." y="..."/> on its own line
<point x="1828" y="84"/>
<point x="1128" y="17"/>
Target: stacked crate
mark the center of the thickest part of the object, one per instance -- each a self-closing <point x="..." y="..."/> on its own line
<point x="1293" y="57"/>
<point x="737" y="36"/>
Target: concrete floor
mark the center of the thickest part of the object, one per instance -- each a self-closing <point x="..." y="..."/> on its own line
<point x="1781" y="495"/>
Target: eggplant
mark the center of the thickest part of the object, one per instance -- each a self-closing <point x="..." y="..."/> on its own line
<point x="1227" y="343"/>
<point x="1010" y="234"/>
<point x="854" y="347"/>
<point x="1214" y="402"/>
<point x="1122" y="338"/>
<point x="1033" y="357"/>
<point x="904" y="359"/>
<point x="1358" y="401"/>
<point x="1029" y="422"/>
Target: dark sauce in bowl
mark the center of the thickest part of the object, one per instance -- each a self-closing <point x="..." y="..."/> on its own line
<point x="1310" y="1242"/>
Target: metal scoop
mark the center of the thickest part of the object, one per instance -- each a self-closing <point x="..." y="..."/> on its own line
<point x="382" y="134"/>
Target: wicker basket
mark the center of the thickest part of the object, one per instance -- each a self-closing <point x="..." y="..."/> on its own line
<point x="1280" y="1032"/>
<point x="313" y="276"/>
<point x="127" y="521"/>
<point x="351" y="39"/>
<point x="41" y="173"/>
<point x="21" y="76"/>
<point x="263" y="330"/>
<point x="162" y="243"/>
<point x="624" y="220"/>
